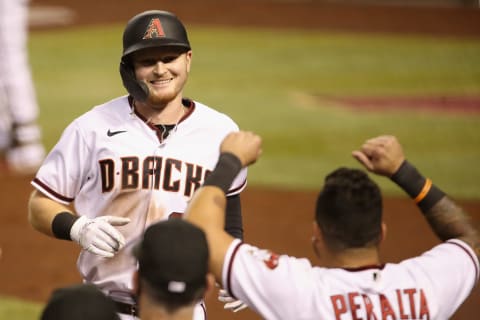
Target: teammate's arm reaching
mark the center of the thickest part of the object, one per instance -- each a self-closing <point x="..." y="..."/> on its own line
<point x="207" y="207"/>
<point x="383" y="155"/>
<point x="54" y="219"/>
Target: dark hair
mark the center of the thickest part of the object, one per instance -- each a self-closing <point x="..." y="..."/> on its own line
<point x="79" y="301"/>
<point x="349" y="210"/>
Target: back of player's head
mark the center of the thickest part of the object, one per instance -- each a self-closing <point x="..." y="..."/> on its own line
<point x="349" y="210"/>
<point x="79" y="302"/>
<point x="173" y="263"/>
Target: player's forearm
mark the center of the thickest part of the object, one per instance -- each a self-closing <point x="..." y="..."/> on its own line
<point x="449" y="221"/>
<point x="207" y="208"/>
<point x="445" y="217"/>
<point x="41" y="212"/>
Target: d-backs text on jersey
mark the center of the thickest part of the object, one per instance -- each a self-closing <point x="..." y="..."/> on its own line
<point x="153" y="173"/>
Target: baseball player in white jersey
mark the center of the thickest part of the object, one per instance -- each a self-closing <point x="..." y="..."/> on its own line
<point x="351" y="281"/>
<point x="133" y="160"/>
<point x="20" y="135"/>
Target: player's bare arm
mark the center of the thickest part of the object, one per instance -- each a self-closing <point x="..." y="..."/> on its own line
<point x="207" y="207"/>
<point x="207" y="210"/>
<point x="449" y="221"/>
<point x="383" y="155"/>
<point x="42" y="210"/>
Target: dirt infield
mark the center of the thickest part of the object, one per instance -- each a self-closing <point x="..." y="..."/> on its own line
<point x="32" y="264"/>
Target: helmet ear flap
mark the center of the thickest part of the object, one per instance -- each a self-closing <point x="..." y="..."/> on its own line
<point x="137" y="89"/>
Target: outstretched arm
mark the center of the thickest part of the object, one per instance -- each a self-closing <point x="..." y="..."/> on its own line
<point x="383" y="155"/>
<point x="207" y="207"/>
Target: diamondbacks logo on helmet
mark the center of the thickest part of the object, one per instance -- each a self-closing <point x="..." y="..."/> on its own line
<point x="154" y="30"/>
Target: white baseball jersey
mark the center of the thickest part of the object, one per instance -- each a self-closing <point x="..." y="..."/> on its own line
<point x="110" y="161"/>
<point x="430" y="286"/>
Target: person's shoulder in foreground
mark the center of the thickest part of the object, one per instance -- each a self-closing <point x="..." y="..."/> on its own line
<point x="79" y="302"/>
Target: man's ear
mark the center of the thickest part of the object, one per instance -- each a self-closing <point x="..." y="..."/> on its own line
<point x="189" y="60"/>
<point x="210" y="280"/>
<point x="318" y="244"/>
<point x="384" y="232"/>
<point x="317" y="233"/>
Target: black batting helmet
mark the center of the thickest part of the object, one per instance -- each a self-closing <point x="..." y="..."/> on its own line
<point x="149" y="29"/>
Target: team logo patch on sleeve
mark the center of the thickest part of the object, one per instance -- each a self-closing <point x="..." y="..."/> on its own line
<point x="269" y="258"/>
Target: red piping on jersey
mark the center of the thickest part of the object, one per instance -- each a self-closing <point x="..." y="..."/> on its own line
<point x="52" y="192"/>
<point x="229" y="272"/>
<point x="471" y="257"/>
<point x="188" y="103"/>
<point x="237" y="188"/>
<point x="204" y="310"/>
<point x="367" y="267"/>
<point x="185" y="102"/>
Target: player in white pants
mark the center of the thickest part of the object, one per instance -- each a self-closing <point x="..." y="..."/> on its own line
<point x="133" y="160"/>
<point x="20" y="135"/>
<point x="351" y="282"/>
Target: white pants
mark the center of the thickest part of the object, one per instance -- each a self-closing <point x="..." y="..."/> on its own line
<point x="15" y="76"/>
<point x="20" y="135"/>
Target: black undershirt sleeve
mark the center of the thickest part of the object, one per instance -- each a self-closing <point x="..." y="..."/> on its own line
<point x="233" y="218"/>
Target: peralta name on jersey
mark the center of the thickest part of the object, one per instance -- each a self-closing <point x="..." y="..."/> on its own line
<point x="406" y="304"/>
<point x="153" y="172"/>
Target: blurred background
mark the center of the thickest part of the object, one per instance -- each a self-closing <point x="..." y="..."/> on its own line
<point x="313" y="78"/>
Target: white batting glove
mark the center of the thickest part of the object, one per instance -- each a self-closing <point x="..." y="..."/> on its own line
<point x="230" y="303"/>
<point x="98" y="235"/>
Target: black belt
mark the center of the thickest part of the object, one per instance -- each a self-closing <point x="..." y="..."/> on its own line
<point x="126" y="308"/>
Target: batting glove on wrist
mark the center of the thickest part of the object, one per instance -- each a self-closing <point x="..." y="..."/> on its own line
<point x="230" y="303"/>
<point x="98" y="235"/>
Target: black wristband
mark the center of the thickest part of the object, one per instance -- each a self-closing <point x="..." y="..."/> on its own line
<point x="430" y="199"/>
<point x="421" y="189"/>
<point x="61" y="225"/>
<point x="227" y="168"/>
<point x="409" y="179"/>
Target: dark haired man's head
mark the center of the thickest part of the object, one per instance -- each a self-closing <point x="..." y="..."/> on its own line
<point x="173" y="264"/>
<point x="349" y="210"/>
<point x="78" y="302"/>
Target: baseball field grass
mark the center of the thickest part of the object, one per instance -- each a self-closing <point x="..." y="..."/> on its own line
<point x="11" y="308"/>
<point x="278" y="83"/>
